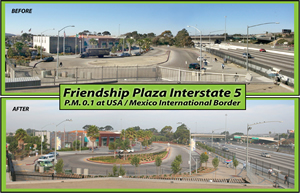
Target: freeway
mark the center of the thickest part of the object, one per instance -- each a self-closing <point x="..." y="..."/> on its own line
<point x="79" y="161"/>
<point x="284" y="161"/>
<point x="281" y="61"/>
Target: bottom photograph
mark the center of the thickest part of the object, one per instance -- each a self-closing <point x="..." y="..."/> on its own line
<point x="139" y="150"/>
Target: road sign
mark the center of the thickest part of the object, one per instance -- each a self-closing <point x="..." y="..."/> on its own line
<point x="255" y="138"/>
<point x="237" y="137"/>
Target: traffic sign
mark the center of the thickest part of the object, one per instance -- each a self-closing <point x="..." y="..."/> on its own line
<point x="237" y="137"/>
<point x="255" y="138"/>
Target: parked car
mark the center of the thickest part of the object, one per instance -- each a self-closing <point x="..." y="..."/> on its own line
<point x="225" y="149"/>
<point x="265" y="154"/>
<point x="130" y="150"/>
<point x="124" y="55"/>
<point x="53" y="153"/>
<point x="196" y="66"/>
<point x="137" y="54"/>
<point x="48" y="59"/>
<point x="46" y="158"/>
<point x="262" y="50"/>
<point x="46" y="164"/>
<point x="245" y="55"/>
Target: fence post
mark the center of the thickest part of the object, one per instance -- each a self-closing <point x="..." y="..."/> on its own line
<point x="117" y="73"/>
<point x="262" y="168"/>
<point x="287" y="181"/>
<point x="137" y="72"/>
<point x="76" y="72"/>
<point x="146" y="172"/>
<point x="102" y="73"/>
<point x="52" y="176"/>
<point x="54" y="76"/>
<point x="179" y="74"/>
<point x="256" y="167"/>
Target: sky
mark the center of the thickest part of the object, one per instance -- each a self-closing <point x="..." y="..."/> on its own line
<point x="145" y="18"/>
<point x="44" y="112"/>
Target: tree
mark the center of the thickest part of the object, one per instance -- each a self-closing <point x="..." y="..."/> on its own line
<point x="76" y="144"/>
<point x="204" y="158"/>
<point x="235" y="164"/>
<point x="21" y="135"/>
<point x="108" y="128"/>
<point x="113" y="146"/>
<point x="93" y="134"/>
<point x="123" y="134"/>
<point x="182" y="134"/>
<point x="11" y="52"/>
<point x="179" y="158"/>
<point x="175" y="166"/>
<point x="135" y="161"/>
<point x="183" y="39"/>
<point x="13" y="147"/>
<point x="115" y="169"/>
<point x="158" y="163"/>
<point x="59" y="166"/>
<point x="130" y="42"/>
<point x="99" y="33"/>
<point x="167" y="38"/>
<point x="140" y="136"/>
<point x="215" y="163"/>
<point x="106" y="33"/>
<point x="123" y="145"/>
<point x="140" y="43"/>
<point x="148" y="135"/>
<point x="131" y="135"/>
<point x="147" y="43"/>
<point x="165" y="130"/>
<point x="18" y="46"/>
<point x="93" y="42"/>
<point x="121" y="171"/>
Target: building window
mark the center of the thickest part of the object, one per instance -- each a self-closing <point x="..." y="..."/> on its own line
<point x="111" y="139"/>
<point x="104" y="141"/>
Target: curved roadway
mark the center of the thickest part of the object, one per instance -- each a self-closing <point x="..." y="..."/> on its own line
<point x="79" y="161"/>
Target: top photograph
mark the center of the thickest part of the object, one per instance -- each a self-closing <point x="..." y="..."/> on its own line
<point x="46" y="44"/>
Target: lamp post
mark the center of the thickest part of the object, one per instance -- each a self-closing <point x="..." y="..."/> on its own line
<point x="248" y="35"/>
<point x="225" y="31"/>
<point x="212" y="137"/>
<point x="190" y="149"/>
<point x="249" y="128"/>
<point x="41" y="50"/>
<point x="200" y="44"/>
<point x="80" y="143"/>
<point x="225" y="126"/>
<point x="209" y="40"/>
<point x="42" y="137"/>
<point x="55" y="137"/>
<point x="58" y="48"/>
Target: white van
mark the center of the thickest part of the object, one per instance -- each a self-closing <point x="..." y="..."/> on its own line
<point x="46" y="158"/>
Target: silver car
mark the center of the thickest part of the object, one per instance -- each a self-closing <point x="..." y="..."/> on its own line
<point x="265" y="155"/>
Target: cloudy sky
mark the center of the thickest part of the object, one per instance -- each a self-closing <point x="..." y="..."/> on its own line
<point x="149" y="17"/>
<point x="44" y="112"/>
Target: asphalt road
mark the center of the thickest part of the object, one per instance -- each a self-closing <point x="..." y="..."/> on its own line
<point x="280" y="61"/>
<point x="73" y="161"/>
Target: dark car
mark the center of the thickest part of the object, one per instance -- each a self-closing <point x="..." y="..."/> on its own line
<point x="48" y="59"/>
<point x="245" y="55"/>
<point x="124" y="54"/>
<point x="194" y="66"/>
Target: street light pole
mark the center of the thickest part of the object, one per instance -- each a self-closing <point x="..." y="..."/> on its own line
<point x="225" y="31"/>
<point x="249" y="128"/>
<point x="200" y="44"/>
<point x="58" y="48"/>
<point x="56" y="139"/>
<point x="248" y="35"/>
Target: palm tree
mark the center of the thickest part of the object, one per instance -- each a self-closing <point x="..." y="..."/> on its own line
<point x="21" y="135"/>
<point x="93" y="134"/>
<point x="123" y="134"/>
<point x="130" y="42"/>
<point x="131" y="135"/>
<point x="93" y="42"/>
<point x="147" y="43"/>
<point x="148" y="135"/>
<point x="141" y="136"/>
<point x="140" y="42"/>
<point x="113" y="146"/>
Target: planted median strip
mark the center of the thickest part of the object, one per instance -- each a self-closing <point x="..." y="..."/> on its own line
<point x="144" y="158"/>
